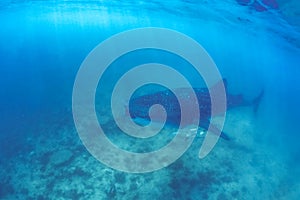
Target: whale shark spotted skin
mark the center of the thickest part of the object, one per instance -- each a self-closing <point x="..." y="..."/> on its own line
<point x="139" y="106"/>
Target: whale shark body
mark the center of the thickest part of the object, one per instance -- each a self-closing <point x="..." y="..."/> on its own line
<point x="139" y="107"/>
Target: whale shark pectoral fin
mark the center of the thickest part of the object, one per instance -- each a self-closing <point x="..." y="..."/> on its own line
<point x="221" y="83"/>
<point x="214" y="129"/>
<point x="224" y="136"/>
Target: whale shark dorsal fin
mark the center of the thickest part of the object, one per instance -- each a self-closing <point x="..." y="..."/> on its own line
<point x="219" y="84"/>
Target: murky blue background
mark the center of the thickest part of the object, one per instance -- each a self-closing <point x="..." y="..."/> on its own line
<point x="42" y="45"/>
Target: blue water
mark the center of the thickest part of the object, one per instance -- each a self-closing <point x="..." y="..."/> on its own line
<point x="42" y="45"/>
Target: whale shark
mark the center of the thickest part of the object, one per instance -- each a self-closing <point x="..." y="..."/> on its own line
<point x="139" y="106"/>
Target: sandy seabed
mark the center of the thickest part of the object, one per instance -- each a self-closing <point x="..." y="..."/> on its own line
<point x="58" y="166"/>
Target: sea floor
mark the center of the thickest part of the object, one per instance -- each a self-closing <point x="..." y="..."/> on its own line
<point x="54" y="164"/>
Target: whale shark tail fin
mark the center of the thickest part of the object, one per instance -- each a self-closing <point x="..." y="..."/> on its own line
<point x="256" y="101"/>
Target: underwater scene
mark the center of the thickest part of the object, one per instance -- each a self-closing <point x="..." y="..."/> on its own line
<point x="169" y="99"/>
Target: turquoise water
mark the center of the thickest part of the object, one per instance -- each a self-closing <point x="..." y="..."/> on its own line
<point x="42" y="45"/>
